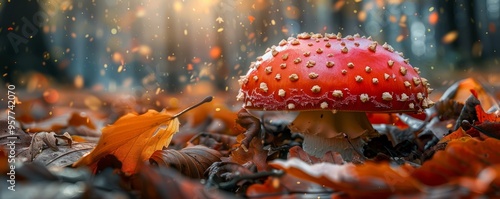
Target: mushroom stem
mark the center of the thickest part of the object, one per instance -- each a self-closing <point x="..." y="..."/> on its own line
<point x="323" y="132"/>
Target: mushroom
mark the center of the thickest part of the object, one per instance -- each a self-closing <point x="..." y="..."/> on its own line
<point x="350" y="76"/>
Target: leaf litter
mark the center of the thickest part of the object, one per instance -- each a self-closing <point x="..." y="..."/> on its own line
<point x="450" y="151"/>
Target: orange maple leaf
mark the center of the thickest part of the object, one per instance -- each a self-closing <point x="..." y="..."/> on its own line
<point x="132" y="139"/>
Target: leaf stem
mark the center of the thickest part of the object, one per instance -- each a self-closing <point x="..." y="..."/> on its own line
<point x="207" y="99"/>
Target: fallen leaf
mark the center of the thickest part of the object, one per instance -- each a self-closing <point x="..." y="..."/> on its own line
<point x="368" y="180"/>
<point x="132" y="139"/>
<point x="167" y="183"/>
<point x="463" y="157"/>
<point x="288" y="186"/>
<point x="254" y="154"/>
<point x="190" y="161"/>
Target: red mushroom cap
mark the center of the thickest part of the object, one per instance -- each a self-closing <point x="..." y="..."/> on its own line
<point x="328" y="72"/>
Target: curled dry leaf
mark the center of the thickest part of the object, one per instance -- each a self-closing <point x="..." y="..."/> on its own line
<point x="461" y="90"/>
<point x="254" y="154"/>
<point x="164" y="182"/>
<point x="132" y="139"/>
<point x="286" y="186"/>
<point x="360" y="181"/>
<point x="463" y="157"/>
<point x="46" y="139"/>
<point x="190" y="161"/>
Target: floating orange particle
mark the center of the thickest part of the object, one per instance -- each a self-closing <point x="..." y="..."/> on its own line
<point x="450" y="37"/>
<point x="492" y="27"/>
<point x="400" y="38"/>
<point x="362" y="16"/>
<point x="78" y="81"/>
<point x="392" y="19"/>
<point x="117" y="57"/>
<point x="433" y="18"/>
<point x="196" y="60"/>
<point x="215" y="52"/>
<point x="51" y="95"/>
<point x="338" y="5"/>
<point x="251" y="18"/>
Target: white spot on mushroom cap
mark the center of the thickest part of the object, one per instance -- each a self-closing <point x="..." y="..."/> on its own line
<point x="344" y="71"/>
<point x="319" y="51"/>
<point x="368" y="69"/>
<point x="390" y="63"/>
<point x="243" y="80"/>
<point x="420" y="96"/>
<point x="283" y="42"/>
<point x="416" y="80"/>
<point x="284" y="57"/>
<point x="291" y="106"/>
<point x="277" y="77"/>
<point x="373" y="46"/>
<point x="404" y="97"/>
<point x="375" y="80"/>
<point x="386" y="76"/>
<point x="323" y="105"/>
<point x="402" y="70"/>
<point x="386" y="96"/>
<point x="297" y="60"/>
<point x="295" y="42"/>
<point x="249" y="103"/>
<point x="411" y="106"/>
<point x="350" y="65"/>
<point x="429" y="103"/>
<point x="263" y="87"/>
<point x="274" y="52"/>
<point x="281" y="92"/>
<point x="293" y="77"/>
<point x="240" y="96"/>
<point x="417" y="70"/>
<point x="345" y="50"/>
<point x="306" y="54"/>
<point x="313" y="75"/>
<point x="337" y="93"/>
<point x="269" y="69"/>
<point x="304" y="35"/>
<point x="364" y="97"/>
<point x="283" y="65"/>
<point x="330" y="64"/>
<point x="316" y="89"/>
<point x="407" y="83"/>
<point x="358" y="78"/>
<point x="255" y="77"/>
<point x="310" y="63"/>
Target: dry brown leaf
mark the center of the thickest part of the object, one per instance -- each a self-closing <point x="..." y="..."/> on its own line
<point x="361" y="181"/>
<point x="190" y="161"/>
<point x="254" y="154"/>
<point x="132" y="139"/>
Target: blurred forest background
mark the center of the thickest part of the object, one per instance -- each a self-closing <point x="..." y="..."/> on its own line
<point x="113" y="45"/>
